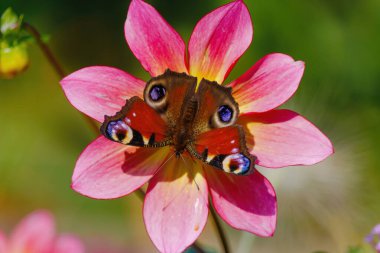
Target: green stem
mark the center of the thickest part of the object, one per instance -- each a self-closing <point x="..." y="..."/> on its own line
<point x="141" y="194"/>
<point x="55" y="64"/>
<point x="219" y="228"/>
<point x="45" y="49"/>
<point x="197" y="248"/>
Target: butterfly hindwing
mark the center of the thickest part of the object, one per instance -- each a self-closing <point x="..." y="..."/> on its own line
<point x="225" y="149"/>
<point x="137" y="124"/>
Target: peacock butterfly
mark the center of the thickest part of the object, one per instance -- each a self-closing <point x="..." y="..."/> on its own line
<point x="177" y="111"/>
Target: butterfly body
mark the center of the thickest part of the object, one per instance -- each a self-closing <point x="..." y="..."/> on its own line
<point x="182" y="135"/>
<point x="191" y="117"/>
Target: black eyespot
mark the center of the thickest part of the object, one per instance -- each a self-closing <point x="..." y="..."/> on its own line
<point x="121" y="135"/>
<point x="225" y="113"/>
<point x="157" y="92"/>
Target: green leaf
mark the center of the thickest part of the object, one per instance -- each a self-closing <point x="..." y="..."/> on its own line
<point x="10" y="22"/>
<point x="45" y="38"/>
<point x="25" y="38"/>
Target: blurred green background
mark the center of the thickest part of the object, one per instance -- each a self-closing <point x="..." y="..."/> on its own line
<point x="329" y="206"/>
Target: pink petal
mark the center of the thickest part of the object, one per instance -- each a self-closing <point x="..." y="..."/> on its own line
<point x="68" y="244"/>
<point x="283" y="138"/>
<point x="153" y="41"/>
<point x="3" y="243"/>
<point x="107" y="169"/>
<point x="98" y="91"/>
<point x="244" y="202"/>
<point x="268" y="84"/>
<point x="218" y="41"/>
<point x="176" y="206"/>
<point x="34" y="234"/>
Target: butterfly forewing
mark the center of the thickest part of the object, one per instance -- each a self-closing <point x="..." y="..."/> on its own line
<point x="212" y="98"/>
<point x="168" y="93"/>
<point x="137" y="124"/>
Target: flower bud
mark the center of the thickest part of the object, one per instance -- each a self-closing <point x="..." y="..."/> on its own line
<point x="13" y="60"/>
<point x="13" y="45"/>
<point x="10" y="22"/>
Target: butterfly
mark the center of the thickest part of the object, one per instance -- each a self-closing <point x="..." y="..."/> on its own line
<point x="177" y="111"/>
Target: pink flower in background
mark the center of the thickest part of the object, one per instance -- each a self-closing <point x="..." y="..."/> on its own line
<point x="374" y="238"/>
<point x="176" y="203"/>
<point x="36" y="234"/>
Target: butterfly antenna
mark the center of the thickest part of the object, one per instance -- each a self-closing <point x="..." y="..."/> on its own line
<point x="189" y="169"/>
<point x="163" y="164"/>
<point x="179" y="192"/>
<point x="170" y="157"/>
<point x="195" y="181"/>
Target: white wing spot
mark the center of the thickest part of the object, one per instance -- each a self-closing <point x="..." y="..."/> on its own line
<point x="234" y="150"/>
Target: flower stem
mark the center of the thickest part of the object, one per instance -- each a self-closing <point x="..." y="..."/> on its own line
<point x="221" y="233"/>
<point x="140" y="193"/>
<point x="197" y="248"/>
<point x="55" y="64"/>
<point x="45" y="49"/>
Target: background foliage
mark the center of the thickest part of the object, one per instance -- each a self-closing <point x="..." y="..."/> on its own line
<point x="326" y="207"/>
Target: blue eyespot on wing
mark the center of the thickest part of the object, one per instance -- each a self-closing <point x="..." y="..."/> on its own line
<point x="225" y="113"/>
<point x="238" y="163"/>
<point x="157" y="92"/>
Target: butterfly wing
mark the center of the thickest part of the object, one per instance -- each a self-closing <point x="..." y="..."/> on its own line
<point x="225" y="149"/>
<point x="214" y="100"/>
<point x="137" y="124"/>
<point x="218" y="140"/>
<point x="167" y="94"/>
<point x="173" y="111"/>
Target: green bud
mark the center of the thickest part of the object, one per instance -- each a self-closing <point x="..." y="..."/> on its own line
<point x="10" y="22"/>
<point x="14" y="57"/>
<point x="13" y="60"/>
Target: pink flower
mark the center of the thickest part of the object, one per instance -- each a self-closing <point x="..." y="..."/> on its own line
<point x="176" y="204"/>
<point x="36" y="234"/>
<point x="374" y="238"/>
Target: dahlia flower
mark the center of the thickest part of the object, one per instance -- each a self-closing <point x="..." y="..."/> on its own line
<point x="176" y="205"/>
